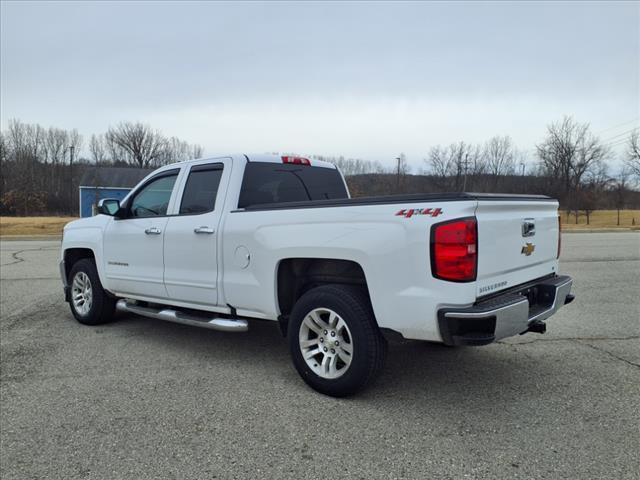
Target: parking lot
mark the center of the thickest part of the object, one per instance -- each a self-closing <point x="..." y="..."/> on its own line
<point x="140" y="398"/>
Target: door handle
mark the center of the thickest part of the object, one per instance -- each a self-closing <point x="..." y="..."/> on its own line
<point x="153" y="231"/>
<point x="203" y="229"/>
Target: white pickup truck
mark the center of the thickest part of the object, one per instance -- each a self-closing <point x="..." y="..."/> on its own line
<point x="215" y="242"/>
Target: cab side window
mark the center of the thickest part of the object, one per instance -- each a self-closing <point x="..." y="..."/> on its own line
<point x="153" y="199"/>
<point x="201" y="189"/>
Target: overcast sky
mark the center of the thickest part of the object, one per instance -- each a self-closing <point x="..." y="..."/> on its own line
<point x="367" y="80"/>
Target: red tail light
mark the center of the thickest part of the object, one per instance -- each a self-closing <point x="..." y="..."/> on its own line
<point x="559" y="235"/>
<point x="296" y="160"/>
<point x="454" y="250"/>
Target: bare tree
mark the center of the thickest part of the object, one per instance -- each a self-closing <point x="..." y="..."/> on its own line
<point x="590" y="193"/>
<point x="197" y="151"/>
<point x="36" y="176"/>
<point x="56" y="143"/>
<point x="25" y="148"/>
<point x="138" y="144"/>
<point x="4" y="164"/>
<point x="26" y="140"/>
<point x="620" y="188"/>
<point x="144" y="146"/>
<point x="499" y="155"/>
<point x="97" y="149"/>
<point x="3" y="148"/>
<point x="568" y="154"/>
<point x="456" y="165"/>
<point x="76" y="142"/>
<point x="439" y="163"/>
<point x="115" y="153"/>
<point x="177" y="150"/>
<point x="352" y="166"/>
<point x="632" y="159"/>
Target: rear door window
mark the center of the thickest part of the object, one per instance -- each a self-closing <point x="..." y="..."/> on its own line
<point x="201" y="189"/>
<point x="266" y="183"/>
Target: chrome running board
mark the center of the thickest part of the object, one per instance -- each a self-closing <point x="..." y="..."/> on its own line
<point x="175" y="316"/>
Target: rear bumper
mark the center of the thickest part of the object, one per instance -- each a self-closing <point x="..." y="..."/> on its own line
<point x="506" y="315"/>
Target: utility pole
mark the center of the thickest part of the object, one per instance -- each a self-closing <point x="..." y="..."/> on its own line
<point x="71" y="151"/>
<point x="399" y="159"/>
<point x="466" y="166"/>
<point x="522" y="165"/>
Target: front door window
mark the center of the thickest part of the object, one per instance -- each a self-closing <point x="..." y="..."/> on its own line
<point x="153" y="199"/>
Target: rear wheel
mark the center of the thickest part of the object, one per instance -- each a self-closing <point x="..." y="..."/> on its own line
<point x="335" y="343"/>
<point x="90" y="304"/>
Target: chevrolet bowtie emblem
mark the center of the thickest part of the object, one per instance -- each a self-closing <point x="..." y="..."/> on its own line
<point x="528" y="249"/>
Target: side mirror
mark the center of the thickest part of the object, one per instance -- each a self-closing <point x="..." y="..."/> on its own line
<point x="108" y="206"/>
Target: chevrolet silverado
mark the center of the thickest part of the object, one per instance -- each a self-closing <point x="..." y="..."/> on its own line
<point x="217" y="242"/>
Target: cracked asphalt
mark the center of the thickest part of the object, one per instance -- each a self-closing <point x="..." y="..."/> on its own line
<point x="142" y="399"/>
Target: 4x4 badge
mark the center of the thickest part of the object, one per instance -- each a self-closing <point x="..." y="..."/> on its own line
<point x="408" y="213"/>
<point x="528" y="249"/>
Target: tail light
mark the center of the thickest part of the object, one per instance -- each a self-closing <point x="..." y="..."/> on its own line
<point x="454" y="250"/>
<point x="559" y="235"/>
<point x="296" y="160"/>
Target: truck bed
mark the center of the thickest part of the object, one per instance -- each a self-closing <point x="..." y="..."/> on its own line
<point x="398" y="199"/>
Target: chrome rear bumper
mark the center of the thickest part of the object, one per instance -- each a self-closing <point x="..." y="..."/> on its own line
<point x="505" y="315"/>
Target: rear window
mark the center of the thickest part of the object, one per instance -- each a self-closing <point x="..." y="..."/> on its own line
<point x="266" y="183"/>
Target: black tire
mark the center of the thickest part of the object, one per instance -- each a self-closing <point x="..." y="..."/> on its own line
<point x="369" y="346"/>
<point x="103" y="306"/>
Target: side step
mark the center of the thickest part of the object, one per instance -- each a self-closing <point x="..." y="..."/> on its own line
<point x="175" y="316"/>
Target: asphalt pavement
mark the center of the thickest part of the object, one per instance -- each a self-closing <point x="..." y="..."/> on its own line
<point x="140" y="398"/>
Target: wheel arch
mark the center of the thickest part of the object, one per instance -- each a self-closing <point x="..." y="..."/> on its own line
<point x="74" y="254"/>
<point x="296" y="276"/>
<point x="85" y="242"/>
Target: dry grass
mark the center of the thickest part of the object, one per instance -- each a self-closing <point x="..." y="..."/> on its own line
<point x="33" y="225"/>
<point x="602" y="219"/>
<point x="53" y="225"/>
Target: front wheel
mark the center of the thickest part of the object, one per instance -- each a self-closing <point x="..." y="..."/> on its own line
<point x="90" y="304"/>
<point x="335" y="343"/>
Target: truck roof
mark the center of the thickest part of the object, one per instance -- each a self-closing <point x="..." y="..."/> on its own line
<point x="272" y="158"/>
<point x="259" y="157"/>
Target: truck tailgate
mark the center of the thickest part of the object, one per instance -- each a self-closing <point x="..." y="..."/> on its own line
<point x="517" y="242"/>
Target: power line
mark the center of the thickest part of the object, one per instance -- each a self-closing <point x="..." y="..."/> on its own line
<point x="617" y="143"/>
<point x="627" y="132"/>
<point x="618" y="140"/>
<point x="617" y="126"/>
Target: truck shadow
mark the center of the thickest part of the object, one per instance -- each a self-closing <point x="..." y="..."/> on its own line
<point x="421" y="375"/>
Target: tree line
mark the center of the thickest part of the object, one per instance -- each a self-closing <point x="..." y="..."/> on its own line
<point x="570" y="164"/>
<point x="42" y="167"/>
